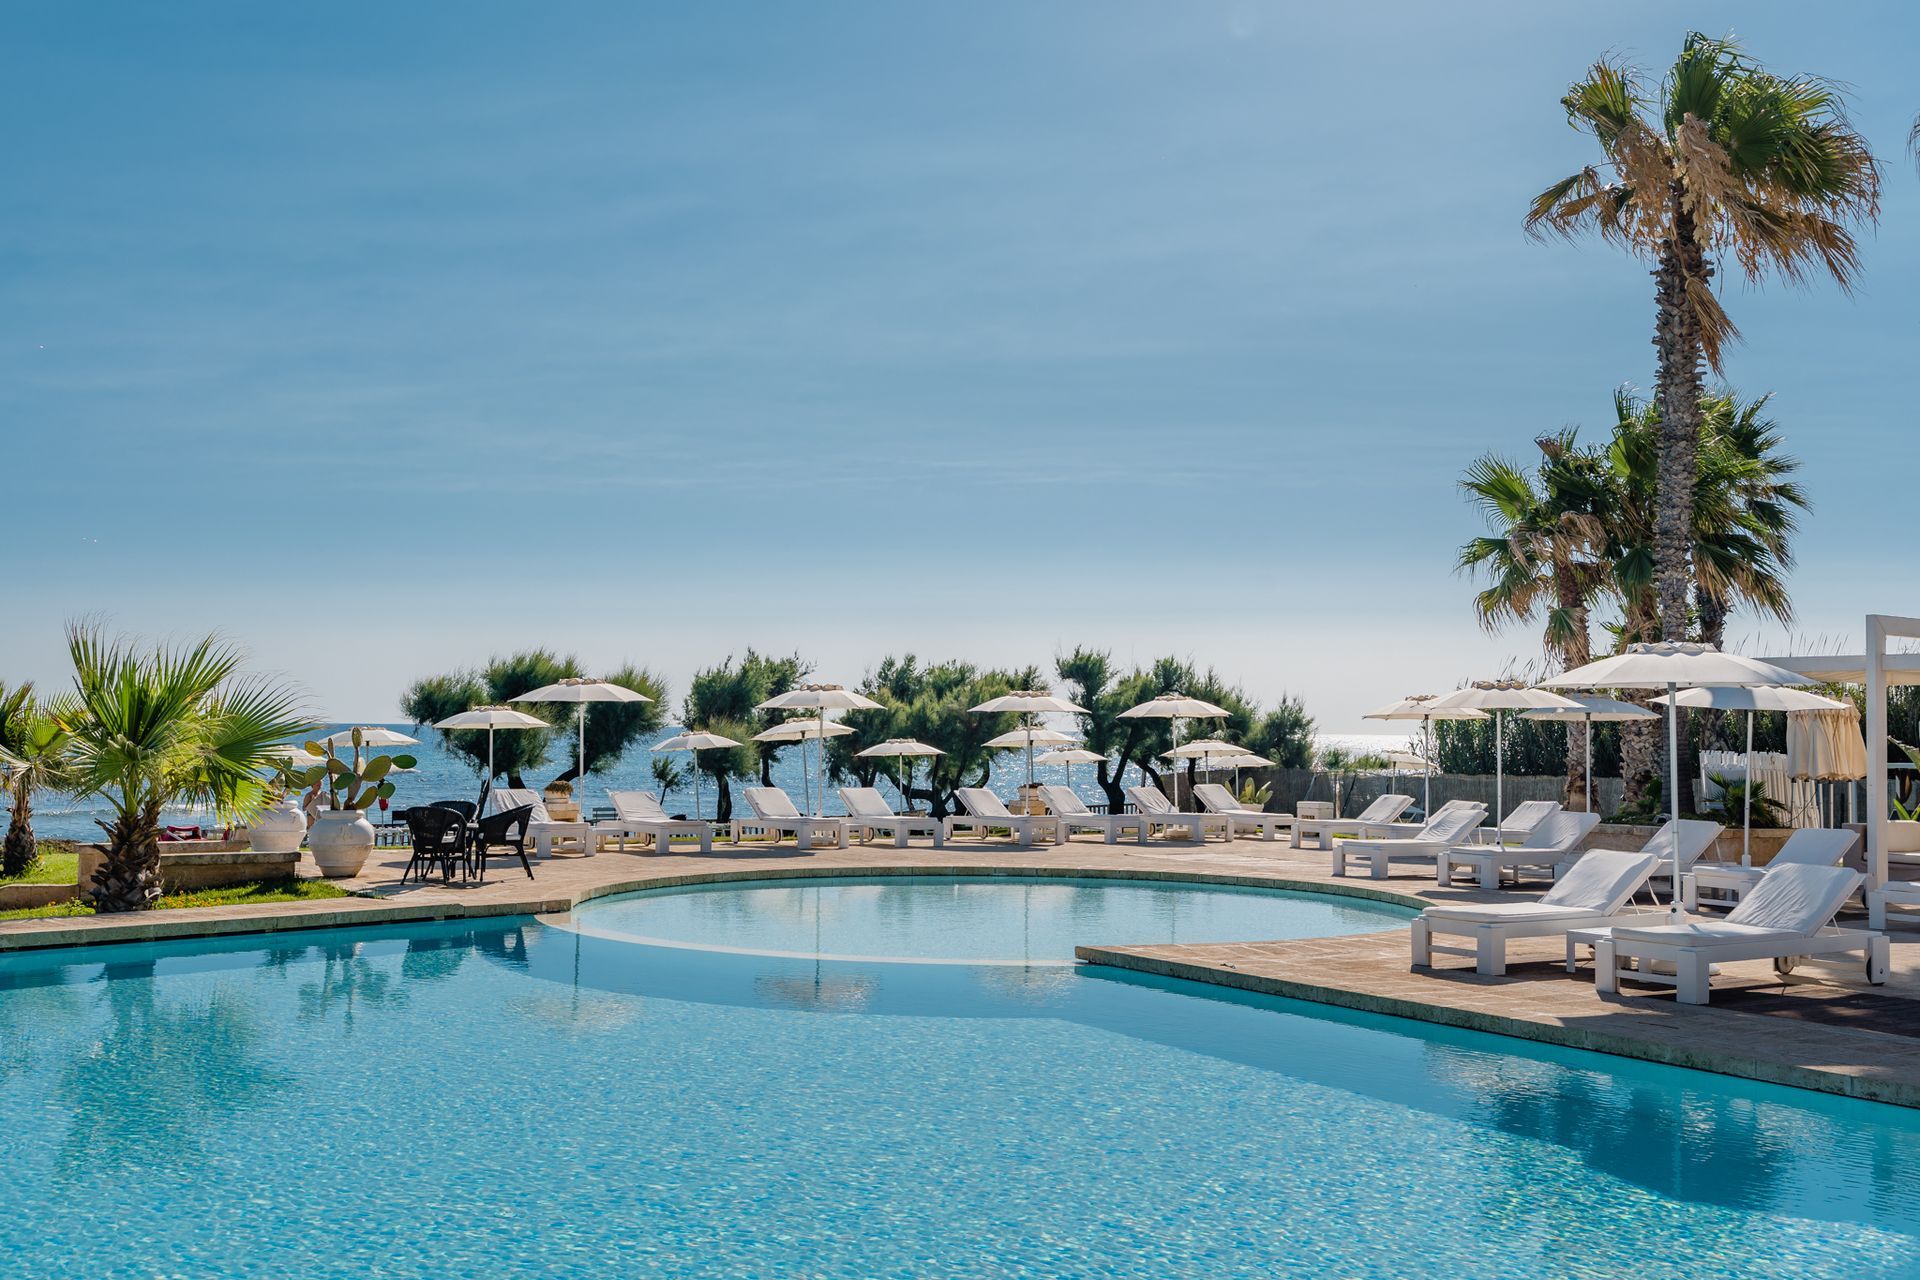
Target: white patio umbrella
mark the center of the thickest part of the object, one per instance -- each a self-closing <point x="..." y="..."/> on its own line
<point x="900" y="750"/>
<point x="819" y="699"/>
<point x="491" y="718"/>
<point x="1673" y="665"/>
<point x="1749" y="698"/>
<point x="1592" y="707"/>
<point x="1069" y="756"/>
<point x="1826" y="746"/>
<point x="1205" y="750"/>
<point x="580" y="690"/>
<point x="1244" y="760"/>
<point x="696" y="743"/>
<point x="371" y="735"/>
<point x="1419" y="706"/>
<point x="803" y="730"/>
<point x="1500" y="697"/>
<point x="1028" y="702"/>
<point x="1175" y="707"/>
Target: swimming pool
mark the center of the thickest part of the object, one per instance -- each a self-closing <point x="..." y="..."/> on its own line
<point x="1001" y="920"/>
<point x="514" y="1099"/>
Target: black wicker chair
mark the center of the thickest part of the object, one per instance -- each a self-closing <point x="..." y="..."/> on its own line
<point x="439" y="839"/>
<point x="504" y="830"/>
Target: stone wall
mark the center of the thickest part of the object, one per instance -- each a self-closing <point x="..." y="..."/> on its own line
<point x="204" y="864"/>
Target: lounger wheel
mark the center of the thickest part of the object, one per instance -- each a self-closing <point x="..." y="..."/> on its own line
<point x="1783" y="965"/>
<point x="1872" y="980"/>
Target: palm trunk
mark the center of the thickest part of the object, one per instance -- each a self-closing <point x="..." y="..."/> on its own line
<point x="129" y="874"/>
<point x="1678" y="385"/>
<point x="1576" y="650"/>
<point x="20" y="852"/>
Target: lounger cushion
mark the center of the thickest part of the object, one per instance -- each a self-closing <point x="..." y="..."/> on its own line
<point x="1501" y="912"/>
<point x="1601" y="881"/>
<point x="1796" y="899"/>
<point x="1704" y="933"/>
<point x="982" y="803"/>
<point x="637" y="806"/>
<point x="866" y="802"/>
<point x="771" y="802"/>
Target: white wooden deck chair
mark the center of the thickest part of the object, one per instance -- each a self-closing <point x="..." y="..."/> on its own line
<point x="1696" y="836"/>
<point x="1555" y="839"/>
<point x="774" y="815"/>
<point x="1156" y="813"/>
<point x="1894" y="893"/>
<point x="1376" y="821"/>
<point x="987" y="812"/>
<point x="1446" y="829"/>
<point x="541" y="828"/>
<point x="1073" y="812"/>
<point x="868" y="814"/>
<point x="1596" y="891"/>
<point x="1785" y="917"/>
<point x="1722" y="884"/>
<point x="641" y="817"/>
<point x="1215" y="798"/>
<point x="1521" y="820"/>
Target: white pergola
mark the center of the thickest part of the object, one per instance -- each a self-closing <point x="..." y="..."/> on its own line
<point x="1878" y="670"/>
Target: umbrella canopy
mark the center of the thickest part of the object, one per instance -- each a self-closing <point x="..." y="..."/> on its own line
<point x="1419" y="706"/>
<point x="1750" y="699"/>
<point x="1069" y="756"/>
<point x="491" y="718"/>
<point x="1592" y="707"/>
<point x="1673" y="665"/>
<point x="1029" y="702"/>
<point x="371" y="735"/>
<point x="1500" y="697"/>
<point x="696" y="743"/>
<point x="1204" y="748"/>
<point x="807" y="730"/>
<point x="1404" y="762"/>
<point x="580" y="690"/>
<point x="1036" y="737"/>
<point x="900" y="750"/>
<point x="819" y="699"/>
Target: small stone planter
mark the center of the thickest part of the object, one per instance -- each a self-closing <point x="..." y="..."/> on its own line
<point x="19" y="897"/>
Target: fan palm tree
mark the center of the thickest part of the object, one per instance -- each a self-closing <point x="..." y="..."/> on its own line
<point x="149" y="729"/>
<point x="1724" y="159"/>
<point x="33" y="757"/>
<point x="1543" y="555"/>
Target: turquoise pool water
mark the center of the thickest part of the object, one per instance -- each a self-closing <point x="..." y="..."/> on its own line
<point x="519" y="1100"/>
<point x="970" y="919"/>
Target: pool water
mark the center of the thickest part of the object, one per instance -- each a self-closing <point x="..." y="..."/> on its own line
<point x="514" y="1099"/>
<point x="970" y="919"/>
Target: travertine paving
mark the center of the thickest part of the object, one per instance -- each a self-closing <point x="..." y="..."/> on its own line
<point x="1822" y="1028"/>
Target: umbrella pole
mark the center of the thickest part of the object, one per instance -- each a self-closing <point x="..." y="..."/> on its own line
<point x="1499" y="778"/>
<point x="1746" y="803"/>
<point x="822" y="793"/>
<point x="1426" y="795"/>
<point x="1673" y="794"/>
<point x="1588" y="721"/>
<point x="580" y="778"/>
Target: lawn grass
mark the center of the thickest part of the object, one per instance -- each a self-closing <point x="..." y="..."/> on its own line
<point x="58" y="864"/>
<point x="233" y="895"/>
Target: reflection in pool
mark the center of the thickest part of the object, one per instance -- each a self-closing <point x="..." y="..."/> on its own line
<point x="970" y="919"/>
<point x="512" y="1100"/>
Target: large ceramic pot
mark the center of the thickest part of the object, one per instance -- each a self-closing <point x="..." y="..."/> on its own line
<point x="279" y="829"/>
<point x="1903" y="837"/>
<point x="340" y="840"/>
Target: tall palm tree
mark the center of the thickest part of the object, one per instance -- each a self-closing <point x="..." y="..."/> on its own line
<point x="33" y="757"/>
<point x="149" y="729"/>
<point x="1723" y="159"/>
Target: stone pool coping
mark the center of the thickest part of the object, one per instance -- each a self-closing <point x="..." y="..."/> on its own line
<point x="1370" y="971"/>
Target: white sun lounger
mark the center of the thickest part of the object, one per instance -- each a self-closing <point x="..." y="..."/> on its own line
<point x="1521" y="820"/>
<point x="1376" y="821"/>
<point x="1215" y="798"/>
<point x="1594" y="893"/>
<point x="774" y="814"/>
<point x="641" y="817"/>
<point x="1786" y="916"/>
<point x="1721" y="884"/>
<point x="868" y="813"/>
<point x="541" y="828"/>
<point x="1446" y="829"/>
<point x="987" y="812"/>
<point x="1554" y="840"/>
<point x="1156" y="813"/>
<point x="1073" y="812"/>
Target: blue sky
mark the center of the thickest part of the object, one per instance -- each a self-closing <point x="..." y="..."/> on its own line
<point x="650" y="332"/>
